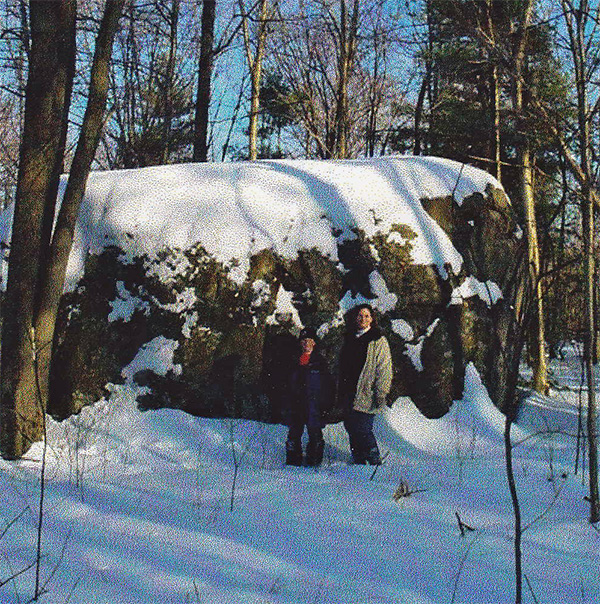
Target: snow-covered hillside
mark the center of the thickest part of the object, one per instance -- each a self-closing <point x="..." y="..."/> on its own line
<point x="141" y="508"/>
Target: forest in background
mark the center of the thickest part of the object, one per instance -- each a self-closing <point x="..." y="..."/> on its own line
<point x="231" y="80"/>
<point x="510" y="86"/>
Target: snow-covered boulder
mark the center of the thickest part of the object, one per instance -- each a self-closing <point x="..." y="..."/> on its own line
<point x="213" y="269"/>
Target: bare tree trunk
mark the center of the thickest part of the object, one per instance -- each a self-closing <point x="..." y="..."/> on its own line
<point x="205" y="66"/>
<point x="53" y="278"/>
<point x="518" y="554"/>
<point x="418" y="146"/>
<point x="589" y="266"/>
<point x="592" y="412"/>
<point x="526" y="178"/>
<point x="36" y="272"/>
<point x="49" y="84"/>
<point x="495" y="141"/>
<point x="596" y="325"/>
<point x="540" y="368"/>
<point x="375" y="97"/>
<point x="495" y="138"/>
<point x="576" y="18"/>
<point x="347" y="48"/>
<point x="169" y="81"/>
<point x="255" y="65"/>
<point x="425" y="89"/>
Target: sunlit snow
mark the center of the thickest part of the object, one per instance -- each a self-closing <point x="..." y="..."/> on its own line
<point x="235" y="210"/>
<point x="160" y="507"/>
<point x="141" y="507"/>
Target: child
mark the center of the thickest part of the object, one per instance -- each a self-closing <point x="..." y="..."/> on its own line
<point x="309" y="396"/>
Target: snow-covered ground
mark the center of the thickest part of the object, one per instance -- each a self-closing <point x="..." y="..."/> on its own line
<point x="141" y="507"/>
<point x="159" y="507"/>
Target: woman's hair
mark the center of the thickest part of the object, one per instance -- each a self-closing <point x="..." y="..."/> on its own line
<point x="351" y="315"/>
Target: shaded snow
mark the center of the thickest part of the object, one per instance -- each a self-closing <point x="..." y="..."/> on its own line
<point x="413" y="351"/>
<point x="125" y="304"/>
<point x="403" y="329"/>
<point x="142" y="508"/>
<point x="285" y="309"/>
<point x="489" y="291"/>
<point x="140" y="504"/>
<point x="156" y="355"/>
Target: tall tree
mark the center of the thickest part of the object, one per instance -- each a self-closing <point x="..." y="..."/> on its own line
<point x="254" y="45"/>
<point x="151" y="85"/>
<point x="347" y="28"/>
<point x="205" y="67"/>
<point x="479" y="53"/>
<point x="581" y="29"/>
<point x="525" y="166"/>
<point x="454" y="112"/>
<point x="39" y="253"/>
<point x="495" y="148"/>
<point x="168" y="82"/>
<point x="334" y="60"/>
<point x="49" y="85"/>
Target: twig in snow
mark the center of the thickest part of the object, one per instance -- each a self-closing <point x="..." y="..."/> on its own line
<point x="40" y="397"/>
<point x="14" y="520"/>
<point x="548" y="508"/>
<point x="15" y="575"/>
<point x="531" y="589"/>
<point x="72" y="590"/>
<point x="197" y="592"/>
<point x="403" y="490"/>
<point x="378" y="466"/>
<point x="463" y="527"/>
<point x="58" y="563"/>
<point x="462" y="565"/>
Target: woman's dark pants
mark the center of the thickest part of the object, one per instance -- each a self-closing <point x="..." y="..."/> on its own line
<point x="363" y="445"/>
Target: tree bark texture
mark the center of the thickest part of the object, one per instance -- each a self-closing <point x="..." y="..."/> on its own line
<point x="53" y="278"/>
<point x="255" y="60"/>
<point x="205" y="67"/>
<point x="347" y="50"/>
<point x="49" y="84"/>
<point x="37" y="272"/>
<point x="526" y="179"/>
<point x="495" y="94"/>
<point x="510" y="475"/>
<point x="418" y="145"/>
<point x="576" y="20"/>
<point x="169" y="82"/>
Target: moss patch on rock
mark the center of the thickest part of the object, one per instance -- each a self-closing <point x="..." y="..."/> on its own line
<point x="235" y="350"/>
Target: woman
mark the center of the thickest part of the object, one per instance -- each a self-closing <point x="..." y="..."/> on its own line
<point x="309" y="397"/>
<point x="365" y="378"/>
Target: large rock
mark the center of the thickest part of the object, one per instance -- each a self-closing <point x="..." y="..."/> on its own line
<point x="194" y="280"/>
